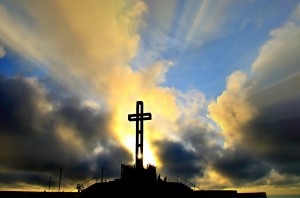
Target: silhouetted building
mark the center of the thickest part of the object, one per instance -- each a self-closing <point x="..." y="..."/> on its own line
<point x="131" y="173"/>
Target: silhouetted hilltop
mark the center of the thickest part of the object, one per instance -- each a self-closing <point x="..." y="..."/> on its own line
<point x="121" y="188"/>
<point x="133" y="189"/>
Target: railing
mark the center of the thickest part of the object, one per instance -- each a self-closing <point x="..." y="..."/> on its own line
<point x="184" y="181"/>
<point x="191" y="185"/>
<point x="81" y="185"/>
<point x="179" y="179"/>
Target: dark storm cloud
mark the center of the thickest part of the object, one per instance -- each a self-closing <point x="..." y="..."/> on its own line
<point x="90" y="124"/>
<point x="204" y="140"/>
<point x="18" y="113"/>
<point x="111" y="161"/>
<point x="177" y="160"/>
<point x="270" y="140"/>
<point x="240" y="166"/>
<point x="274" y="133"/>
<point x="190" y="157"/>
<point x="30" y="145"/>
<point x="33" y="178"/>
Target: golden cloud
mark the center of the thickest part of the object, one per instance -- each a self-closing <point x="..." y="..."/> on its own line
<point x="231" y="110"/>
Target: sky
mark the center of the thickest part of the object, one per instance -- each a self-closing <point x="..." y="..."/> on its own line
<point x="220" y="78"/>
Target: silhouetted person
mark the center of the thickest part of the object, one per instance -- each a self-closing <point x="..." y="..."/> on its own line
<point x="79" y="187"/>
<point x="165" y="179"/>
<point x="159" y="179"/>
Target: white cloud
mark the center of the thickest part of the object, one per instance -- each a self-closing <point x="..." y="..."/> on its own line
<point x="278" y="59"/>
<point x="191" y="104"/>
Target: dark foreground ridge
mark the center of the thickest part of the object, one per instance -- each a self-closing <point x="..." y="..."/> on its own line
<point x="154" y="189"/>
<point x="119" y="189"/>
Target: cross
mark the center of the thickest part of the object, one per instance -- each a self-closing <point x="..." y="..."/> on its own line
<point x="139" y="117"/>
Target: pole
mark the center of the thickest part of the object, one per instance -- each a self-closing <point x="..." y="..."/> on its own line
<point x="49" y="183"/>
<point x="102" y="175"/>
<point x="60" y="171"/>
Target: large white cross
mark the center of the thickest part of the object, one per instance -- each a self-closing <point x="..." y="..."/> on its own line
<point x="139" y="117"/>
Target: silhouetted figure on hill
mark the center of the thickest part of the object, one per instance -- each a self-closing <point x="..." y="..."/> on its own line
<point x="165" y="179"/>
<point x="158" y="178"/>
<point x="79" y="187"/>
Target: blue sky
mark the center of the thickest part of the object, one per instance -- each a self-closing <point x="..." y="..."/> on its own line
<point x="204" y="59"/>
<point x="220" y="78"/>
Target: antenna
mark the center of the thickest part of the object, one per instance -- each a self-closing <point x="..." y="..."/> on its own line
<point x="49" y="183"/>
<point x="102" y="175"/>
<point x="60" y="171"/>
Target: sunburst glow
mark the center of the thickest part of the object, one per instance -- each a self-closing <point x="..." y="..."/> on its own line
<point x="220" y="78"/>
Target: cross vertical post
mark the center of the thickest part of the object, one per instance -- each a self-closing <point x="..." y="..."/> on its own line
<point x="139" y="117"/>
